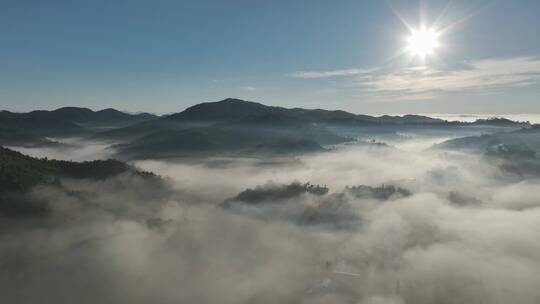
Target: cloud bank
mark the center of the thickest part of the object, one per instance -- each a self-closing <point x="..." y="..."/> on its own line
<point x="124" y="241"/>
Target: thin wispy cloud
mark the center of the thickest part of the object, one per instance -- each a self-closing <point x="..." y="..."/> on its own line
<point x="249" y="88"/>
<point x="480" y="75"/>
<point x="420" y="83"/>
<point x="333" y="73"/>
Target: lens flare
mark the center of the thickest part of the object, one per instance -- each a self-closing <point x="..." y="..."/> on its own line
<point x="422" y="42"/>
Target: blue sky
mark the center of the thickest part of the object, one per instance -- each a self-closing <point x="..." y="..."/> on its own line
<point x="163" y="56"/>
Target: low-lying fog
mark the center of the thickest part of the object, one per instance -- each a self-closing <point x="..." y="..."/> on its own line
<point x="72" y="149"/>
<point x="467" y="233"/>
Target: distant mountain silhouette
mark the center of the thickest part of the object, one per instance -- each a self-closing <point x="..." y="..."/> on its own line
<point x="236" y="112"/>
<point x="227" y="127"/>
<point x="225" y="110"/>
<point x="234" y="126"/>
<point x="77" y="115"/>
<point x="234" y="109"/>
<point x="410" y="119"/>
<point x="497" y="121"/>
<point x="33" y="127"/>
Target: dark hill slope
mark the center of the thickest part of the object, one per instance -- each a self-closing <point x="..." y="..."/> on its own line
<point x="19" y="173"/>
<point x="226" y="140"/>
<point x="146" y="128"/>
<point x="522" y="140"/>
<point x="516" y="151"/>
<point x="225" y="110"/>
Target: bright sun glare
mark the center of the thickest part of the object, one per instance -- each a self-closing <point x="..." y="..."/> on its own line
<point x="422" y="42"/>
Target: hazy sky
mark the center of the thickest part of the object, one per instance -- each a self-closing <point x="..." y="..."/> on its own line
<point x="162" y="56"/>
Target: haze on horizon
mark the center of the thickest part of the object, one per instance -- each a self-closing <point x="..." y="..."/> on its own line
<point x="482" y="56"/>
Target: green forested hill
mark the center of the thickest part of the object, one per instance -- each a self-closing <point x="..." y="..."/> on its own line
<point x="18" y="172"/>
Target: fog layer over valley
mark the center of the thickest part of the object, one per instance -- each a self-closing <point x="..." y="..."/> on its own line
<point x="361" y="223"/>
<point x="239" y="202"/>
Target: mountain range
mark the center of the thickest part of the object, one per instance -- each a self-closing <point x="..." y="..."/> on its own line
<point x="34" y="128"/>
<point x="226" y="127"/>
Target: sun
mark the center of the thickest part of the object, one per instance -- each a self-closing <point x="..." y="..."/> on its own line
<point x="422" y="42"/>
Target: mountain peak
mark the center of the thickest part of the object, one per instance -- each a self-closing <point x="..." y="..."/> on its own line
<point x="226" y="109"/>
<point x="232" y="100"/>
<point x="73" y="110"/>
<point x="238" y="102"/>
<point x="109" y="110"/>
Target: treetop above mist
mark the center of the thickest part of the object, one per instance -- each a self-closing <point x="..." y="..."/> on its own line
<point x="19" y="172"/>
